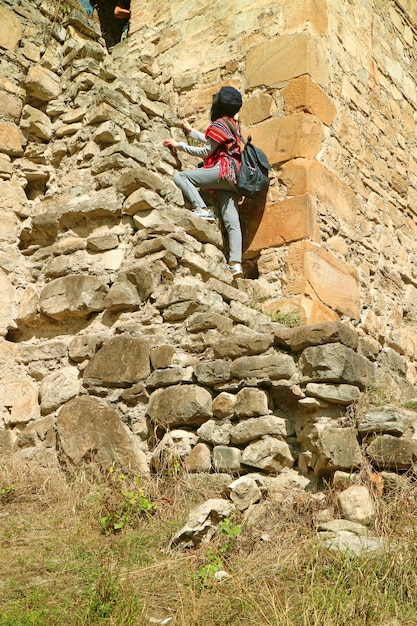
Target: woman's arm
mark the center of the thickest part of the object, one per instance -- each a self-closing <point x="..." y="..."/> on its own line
<point x="195" y="134"/>
<point x="203" y="152"/>
<point x="120" y="12"/>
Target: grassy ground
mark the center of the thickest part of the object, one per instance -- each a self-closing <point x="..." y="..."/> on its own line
<point x="92" y="550"/>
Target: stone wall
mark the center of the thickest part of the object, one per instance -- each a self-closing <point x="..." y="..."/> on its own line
<point x="330" y="95"/>
<point x="121" y="328"/>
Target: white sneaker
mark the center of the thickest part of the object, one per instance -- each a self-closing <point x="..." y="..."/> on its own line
<point x="236" y="270"/>
<point x="206" y="214"/>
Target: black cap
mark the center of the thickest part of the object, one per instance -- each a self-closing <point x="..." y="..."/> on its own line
<point x="230" y="100"/>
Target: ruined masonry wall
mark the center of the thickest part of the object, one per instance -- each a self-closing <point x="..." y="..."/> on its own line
<point x="330" y="94"/>
<point x="121" y="328"/>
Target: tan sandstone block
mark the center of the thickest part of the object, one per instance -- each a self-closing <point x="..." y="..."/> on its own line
<point x="42" y="83"/>
<point x="279" y="223"/>
<point x="275" y="61"/>
<point x="256" y="109"/>
<point x="297" y="135"/>
<point x="312" y="271"/>
<point x="20" y="401"/>
<point x="10" y="106"/>
<point x="10" y="141"/>
<point x="10" y="29"/>
<point x="306" y="12"/>
<point x="303" y="94"/>
<point x="308" y="176"/>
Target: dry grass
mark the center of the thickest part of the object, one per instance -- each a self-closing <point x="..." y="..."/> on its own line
<point x="58" y="568"/>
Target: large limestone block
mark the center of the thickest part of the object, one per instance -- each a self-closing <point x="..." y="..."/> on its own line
<point x="303" y="94"/>
<point x="19" y="400"/>
<point x="212" y="372"/>
<point x="122" y="361"/>
<point x="273" y="366"/>
<point x="186" y="292"/>
<point x="257" y="427"/>
<point x="141" y="200"/>
<point x="313" y="271"/>
<point x="279" y="223"/>
<point x="290" y="137"/>
<point x="308" y="176"/>
<point x="73" y="295"/>
<point x="251" y="402"/>
<point x="389" y="452"/>
<point x="337" y="394"/>
<point x="59" y="387"/>
<point x="42" y="84"/>
<point x="388" y="419"/>
<point x="329" y="448"/>
<point x="139" y="177"/>
<point x="244" y="491"/>
<point x="356" y="504"/>
<point x="195" y="226"/>
<point x="300" y="338"/>
<point x="8" y="355"/>
<point x="227" y="292"/>
<point x="10" y="106"/>
<point x="269" y="454"/>
<point x="277" y="60"/>
<point x="199" y="459"/>
<point x="125" y="293"/>
<point x="180" y="405"/>
<point x="226" y="458"/>
<point x="203" y="522"/>
<point x="36" y="123"/>
<point x="223" y="405"/>
<point x="215" y="433"/>
<point x="335" y="363"/>
<point x="243" y="344"/>
<point x="10" y="140"/>
<point x="90" y="429"/>
<point x="10" y="29"/>
<point x="175" y="444"/>
<point x="15" y="195"/>
<point x="170" y="376"/>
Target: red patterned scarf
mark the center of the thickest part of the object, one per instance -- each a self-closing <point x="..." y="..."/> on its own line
<point x="228" y="153"/>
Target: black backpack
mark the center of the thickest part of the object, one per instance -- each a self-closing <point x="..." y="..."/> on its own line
<point x="252" y="180"/>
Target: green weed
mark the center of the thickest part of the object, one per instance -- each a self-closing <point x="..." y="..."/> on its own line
<point x="6" y="493"/>
<point x="132" y="504"/>
<point x="289" y="319"/>
<point x="216" y="558"/>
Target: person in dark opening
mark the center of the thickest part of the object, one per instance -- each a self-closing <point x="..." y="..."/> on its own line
<point x="114" y="16"/>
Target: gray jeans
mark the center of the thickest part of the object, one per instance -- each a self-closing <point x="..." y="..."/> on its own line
<point x="208" y="178"/>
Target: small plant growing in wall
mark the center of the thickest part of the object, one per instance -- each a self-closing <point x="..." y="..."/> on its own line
<point x="289" y="319"/>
